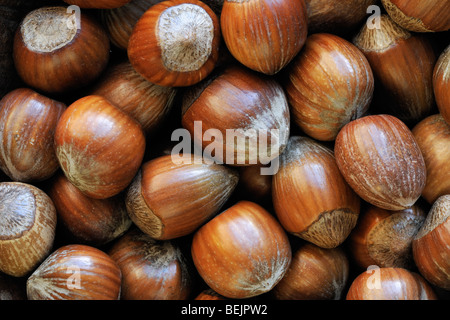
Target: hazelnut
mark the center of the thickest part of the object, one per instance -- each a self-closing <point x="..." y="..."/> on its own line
<point x="264" y="35"/>
<point x="310" y="196"/>
<point x="432" y="135"/>
<point x="75" y="272"/>
<point x="243" y="252"/>
<point x="151" y="269"/>
<point x="314" y="274"/>
<point x="175" y="43"/>
<point x="381" y="160"/>
<point x="389" y="284"/>
<point x="248" y="111"/>
<point x="419" y="15"/>
<point x="52" y="55"/>
<point x="27" y="227"/>
<point x="402" y="63"/>
<point x="99" y="147"/>
<point x="430" y="245"/>
<point x="441" y="83"/>
<point x="169" y="199"/>
<point x="328" y="84"/>
<point x="384" y="238"/>
<point x="27" y="125"/>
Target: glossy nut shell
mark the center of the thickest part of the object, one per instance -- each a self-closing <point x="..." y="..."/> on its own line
<point x="53" y="55"/>
<point x="380" y="159"/>
<point x="171" y="198"/>
<point x="27" y="127"/>
<point x="27" y="227"/>
<point x="75" y="272"/>
<point x="99" y="147"/>
<point x="243" y="252"/>
<point x="151" y="269"/>
<point x="310" y="196"/>
<point x="431" y="244"/>
<point x="264" y="45"/>
<point x="329" y="84"/>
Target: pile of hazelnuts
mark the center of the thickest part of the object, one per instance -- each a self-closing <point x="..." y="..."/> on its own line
<point x="225" y="150"/>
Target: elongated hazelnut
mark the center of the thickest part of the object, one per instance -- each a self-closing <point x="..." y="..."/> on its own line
<point x="311" y="198"/>
<point x="441" y="83"/>
<point x="314" y="274"/>
<point x="119" y="22"/>
<point x="127" y="90"/>
<point x="151" y="269"/>
<point x="175" y="43"/>
<point x="237" y="117"/>
<point x="56" y="52"/>
<point x="98" y="4"/>
<point x="243" y="252"/>
<point x="88" y="220"/>
<point x="169" y="199"/>
<point x="75" y="272"/>
<point x="381" y="160"/>
<point x="338" y="87"/>
<point x="403" y="66"/>
<point x="389" y="284"/>
<point x="419" y="15"/>
<point x="27" y="227"/>
<point x="336" y="16"/>
<point x="384" y="238"/>
<point x="431" y="248"/>
<point x="27" y="125"/>
<point x="433" y="137"/>
<point x="99" y="147"/>
<point x="264" y="35"/>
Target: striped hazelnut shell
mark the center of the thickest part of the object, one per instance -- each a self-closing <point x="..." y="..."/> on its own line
<point x="75" y="272"/>
<point x="433" y="137"/>
<point x="151" y="269"/>
<point x="238" y="103"/>
<point x="264" y="35"/>
<point x="389" y="284"/>
<point x="384" y="238"/>
<point x="57" y="52"/>
<point x="119" y="22"/>
<point x="441" y="83"/>
<point x="430" y="246"/>
<point x="243" y="252"/>
<point x="169" y="199"/>
<point x="419" y="15"/>
<point x="144" y="101"/>
<point x="175" y="43"/>
<point x="87" y="220"/>
<point x="403" y="64"/>
<point x="339" y="86"/>
<point x="310" y="196"/>
<point x="27" y="127"/>
<point x="315" y="273"/>
<point x="380" y="159"/>
<point x="27" y="227"/>
<point x="99" y="147"/>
